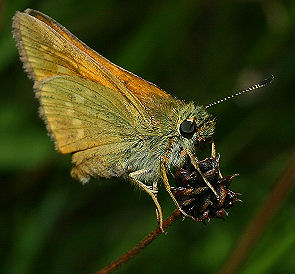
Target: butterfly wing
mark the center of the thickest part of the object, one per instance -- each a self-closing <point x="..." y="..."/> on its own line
<point x="87" y="109"/>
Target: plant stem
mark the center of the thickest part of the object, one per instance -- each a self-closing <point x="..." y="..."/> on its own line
<point x="140" y="246"/>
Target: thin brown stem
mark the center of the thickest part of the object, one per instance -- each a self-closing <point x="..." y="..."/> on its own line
<point x="140" y="246"/>
<point x="269" y="208"/>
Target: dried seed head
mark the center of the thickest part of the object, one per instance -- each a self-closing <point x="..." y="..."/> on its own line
<point x="196" y="199"/>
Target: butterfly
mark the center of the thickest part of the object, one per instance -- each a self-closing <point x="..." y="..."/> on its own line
<point x="114" y="123"/>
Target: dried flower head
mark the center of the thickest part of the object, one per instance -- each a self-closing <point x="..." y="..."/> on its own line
<point x="195" y="197"/>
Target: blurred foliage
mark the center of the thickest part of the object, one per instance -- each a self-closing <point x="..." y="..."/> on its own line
<point x="196" y="50"/>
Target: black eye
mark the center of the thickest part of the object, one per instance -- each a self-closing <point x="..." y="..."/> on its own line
<point x="187" y="129"/>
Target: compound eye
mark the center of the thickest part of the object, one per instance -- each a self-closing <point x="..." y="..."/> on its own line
<point x="187" y="129"/>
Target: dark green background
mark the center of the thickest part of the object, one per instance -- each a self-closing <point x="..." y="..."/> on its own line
<point x="196" y="50"/>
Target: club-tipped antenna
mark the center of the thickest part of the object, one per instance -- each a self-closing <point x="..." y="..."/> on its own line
<point x="261" y="84"/>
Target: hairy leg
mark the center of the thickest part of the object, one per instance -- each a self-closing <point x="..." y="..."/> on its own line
<point x="167" y="185"/>
<point x="152" y="191"/>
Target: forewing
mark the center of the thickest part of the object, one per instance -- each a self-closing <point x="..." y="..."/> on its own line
<point x="93" y="108"/>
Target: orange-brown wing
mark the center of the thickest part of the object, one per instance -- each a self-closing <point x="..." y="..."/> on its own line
<point x="143" y="90"/>
<point x="92" y="108"/>
<point x="56" y="65"/>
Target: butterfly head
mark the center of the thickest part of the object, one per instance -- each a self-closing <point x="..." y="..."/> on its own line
<point x="196" y="124"/>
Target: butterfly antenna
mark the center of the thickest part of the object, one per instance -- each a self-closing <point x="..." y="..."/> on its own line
<point x="261" y="84"/>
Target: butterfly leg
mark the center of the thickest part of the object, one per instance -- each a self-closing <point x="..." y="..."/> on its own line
<point x="213" y="150"/>
<point x="214" y="155"/>
<point x="152" y="191"/>
<point x="196" y="166"/>
<point x="155" y="190"/>
<point x="163" y="161"/>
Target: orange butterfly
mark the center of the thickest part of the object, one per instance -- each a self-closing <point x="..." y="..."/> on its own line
<point x="113" y="122"/>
